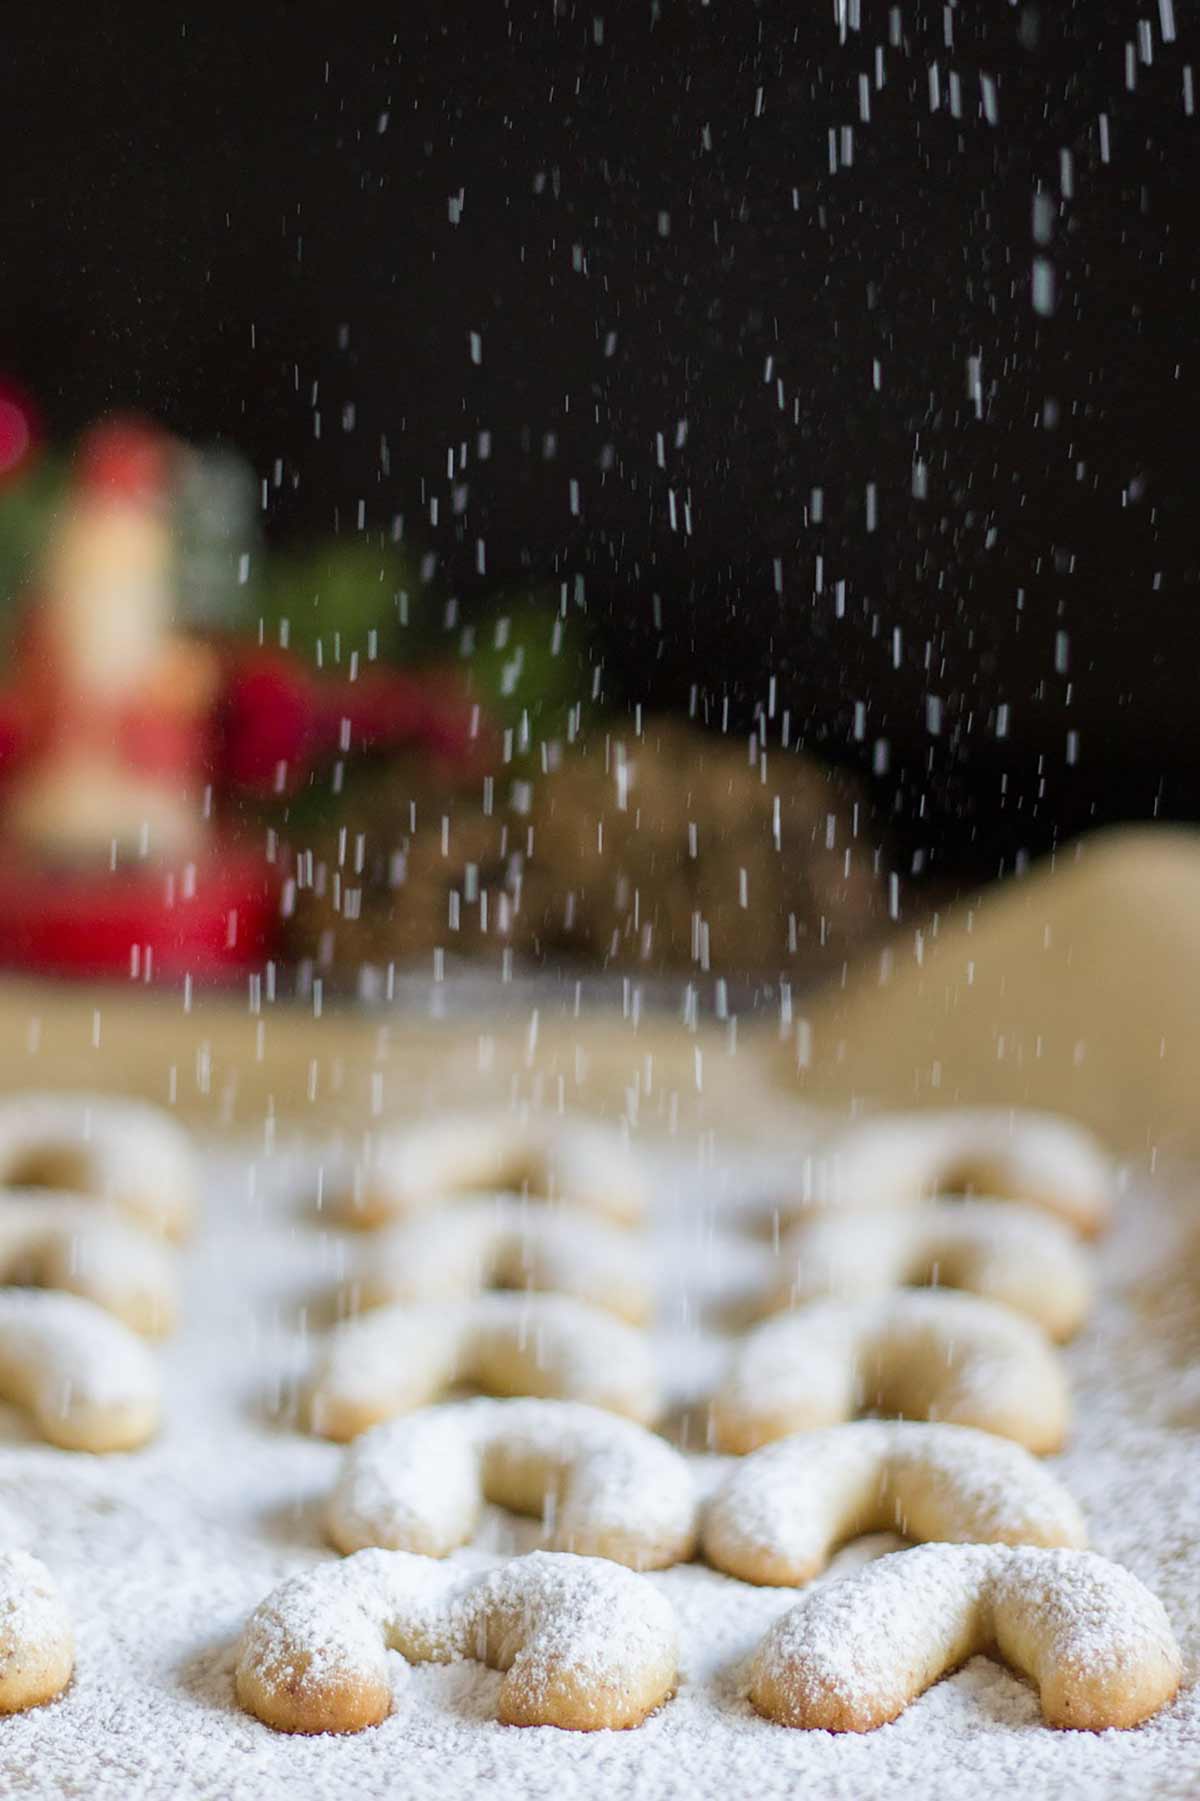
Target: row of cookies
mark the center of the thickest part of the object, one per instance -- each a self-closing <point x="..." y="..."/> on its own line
<point x="858" y="1231"/>
<point x="93" y="1192"/>
<point x="412" y="1489"/>
<point x="533" y="1615"/>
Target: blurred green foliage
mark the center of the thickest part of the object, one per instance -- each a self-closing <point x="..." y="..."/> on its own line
<point x="336" y="598"/>
<point x="27" y="506"/>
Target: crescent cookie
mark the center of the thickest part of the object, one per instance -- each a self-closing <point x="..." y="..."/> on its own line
<point x="58" y="1241"/>
<point x="37" y="1644"/>
<point x="1002" y="1250"/>
<point x="893" y="1159"/>
<point x="779" y="1514"/>
<point x="853" y="1654"/>
<point x="128" y="1153"/>
<point x="499" y="1241"/>
<point x="88" y="1381"/>
<point x="583" y="1643"/>
<point x="923" y="1354"/>
<point x="400" y="1358"/>
<point x="604" y="1486"/>
<point x="581" y="1162"/>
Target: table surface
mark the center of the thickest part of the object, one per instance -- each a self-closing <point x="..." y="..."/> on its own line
<point x="164" y="1553"/>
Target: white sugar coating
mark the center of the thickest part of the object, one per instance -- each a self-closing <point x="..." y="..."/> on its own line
<point x="548" y="1613"/>
<point x="33" y="1618"/>
<point x="417" y="1483"/>
<point x="867" y="1637"/>
<point x="1102" y="1617"/>
<point x="124" y="1151"/>
<point x="1020" y="1255"/>
<point x="402" y="1352"/>
<point x="582" y="1614"/>
<point x="400" y="1357"/>
<point x="834" y="1358"/>
<point x="792" y="1500"/>
<point x="71" y="1354"/>
<point x="164" y="1555"/>
<point x="501" y="1240"/>
<point x="55" y="1240"/>
<point x="572" y="1159"/>
<point x="415" y="1479"/>
<point x="337" y="1619"/>
<point x="895" y="1158"/>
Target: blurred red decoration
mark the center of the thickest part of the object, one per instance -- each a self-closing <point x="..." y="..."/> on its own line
<point x="20" y="431"/>
<point x="124" y="737"/>
<point x="126" y="459"/>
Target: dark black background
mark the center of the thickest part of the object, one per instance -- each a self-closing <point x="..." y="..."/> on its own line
<point x="207" y="211"/>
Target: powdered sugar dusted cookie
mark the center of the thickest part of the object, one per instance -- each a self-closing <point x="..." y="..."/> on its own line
<point x="128" y="1153"/>
<point x="893" y="1159"/>
<point x="1017" y="1255"/>
<point x="400" y="1358"/>
<point x="500" y="1241"/>
<point x="88" y="1382"/>
<point x="584" y="1644"/>
<point x="58" y="1241"/>
<point x="37" y="1644"/>
<point x="578" y="1161"/>
<point x="604" y="1486"/>
<point x="855" y="1653"/>
<point x="780" y="1514"/>
<point x="923" y="1355"/>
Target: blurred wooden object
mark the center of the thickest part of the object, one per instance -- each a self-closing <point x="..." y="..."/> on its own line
<point x="1075" y="988"/>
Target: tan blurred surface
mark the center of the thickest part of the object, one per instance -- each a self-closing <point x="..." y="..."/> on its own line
<point x="1075" y="988"/>
<point x="223" y="1066"/>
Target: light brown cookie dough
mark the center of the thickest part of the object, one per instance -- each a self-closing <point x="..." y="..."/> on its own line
<point x="500" y="1241"/>
<point x="894" y="1159"/>
<point x="921" y="1355"/>
<point x="1016" y="1255"/>
<point x="37" y="1643"/>
<point x="578" y="1161"/>
<point x="778" y="1515"/>
<point x="396" y="1359"/>
<point x="128" y="1153"/>
<point x="855" y="1653"/>
<point x="87" y="1381"/>
<point x="51" y="1240"/>
<point x="604" y="1486"/>
<point x="583" y="1643"/>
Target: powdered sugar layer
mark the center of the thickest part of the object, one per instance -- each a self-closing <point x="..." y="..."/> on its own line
<point x="607" y="1486"/>
<point x="74" y="1355"/>
<point x="544" y="1616"/>
<point x="975" y="1362"/>
<point x="123" y="1151"/>
<point x="164" y="1555"/>
<point x="56" y="1241"/>
<point x="903" y="1619"/>
<point x="400" y="1357"/>
<point x="791" y="1502"/>
<point x="505" y="1241"/>
<point x="584" y="1163"/>
<point x="1020" y="1256"/>
<point x="891" y="1159"/>
<point x="33" y="1620"/>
